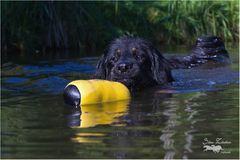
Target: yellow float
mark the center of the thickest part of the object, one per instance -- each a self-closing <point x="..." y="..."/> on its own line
<point x="85" y="92"/>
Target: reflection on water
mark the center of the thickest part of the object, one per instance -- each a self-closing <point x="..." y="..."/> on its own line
<point x="99" y="114"/>
<point x="173" y="122"/>
<point x="87" y="137"/>
<point x="168" y="130"/>
<point x="93" y="115"/>
<point x="157" y="123"/>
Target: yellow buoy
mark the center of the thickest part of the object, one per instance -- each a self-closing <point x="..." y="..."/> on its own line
<point x="84" y="92"/>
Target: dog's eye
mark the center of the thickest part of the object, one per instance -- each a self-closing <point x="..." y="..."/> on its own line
<point x="118" y="52"/>
<point x="137" y="55"/>
<point x="134" y="50"/>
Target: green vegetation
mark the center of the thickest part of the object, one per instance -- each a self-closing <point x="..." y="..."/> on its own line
<point x="89" y="26"/>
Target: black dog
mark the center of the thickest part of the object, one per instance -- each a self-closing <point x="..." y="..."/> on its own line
<point x="136" y="63"/>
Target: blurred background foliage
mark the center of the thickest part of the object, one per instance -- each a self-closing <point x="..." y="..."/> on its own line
<point x="39" y="26"/>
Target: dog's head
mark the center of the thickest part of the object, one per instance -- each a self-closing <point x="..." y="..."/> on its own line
<point x="134" y="62"/>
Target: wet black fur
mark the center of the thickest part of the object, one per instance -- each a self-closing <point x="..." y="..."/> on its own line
<point x="136" y="63"/>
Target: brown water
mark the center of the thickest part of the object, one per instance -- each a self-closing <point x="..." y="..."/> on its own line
<point x="154" y="124"/>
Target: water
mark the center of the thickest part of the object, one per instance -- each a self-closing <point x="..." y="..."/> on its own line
<point x="156" y="123"/>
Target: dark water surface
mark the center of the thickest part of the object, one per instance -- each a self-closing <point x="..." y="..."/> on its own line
<point x="202" y="104"/>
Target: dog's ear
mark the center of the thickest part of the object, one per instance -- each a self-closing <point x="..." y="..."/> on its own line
<point x="160" y="67"/>
<point x="101" y="68"/>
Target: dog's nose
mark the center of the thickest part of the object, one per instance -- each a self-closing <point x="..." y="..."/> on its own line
<point x="124" y="67"/>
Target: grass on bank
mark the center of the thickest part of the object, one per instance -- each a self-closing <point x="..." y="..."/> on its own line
<point x="89" y="26"/>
